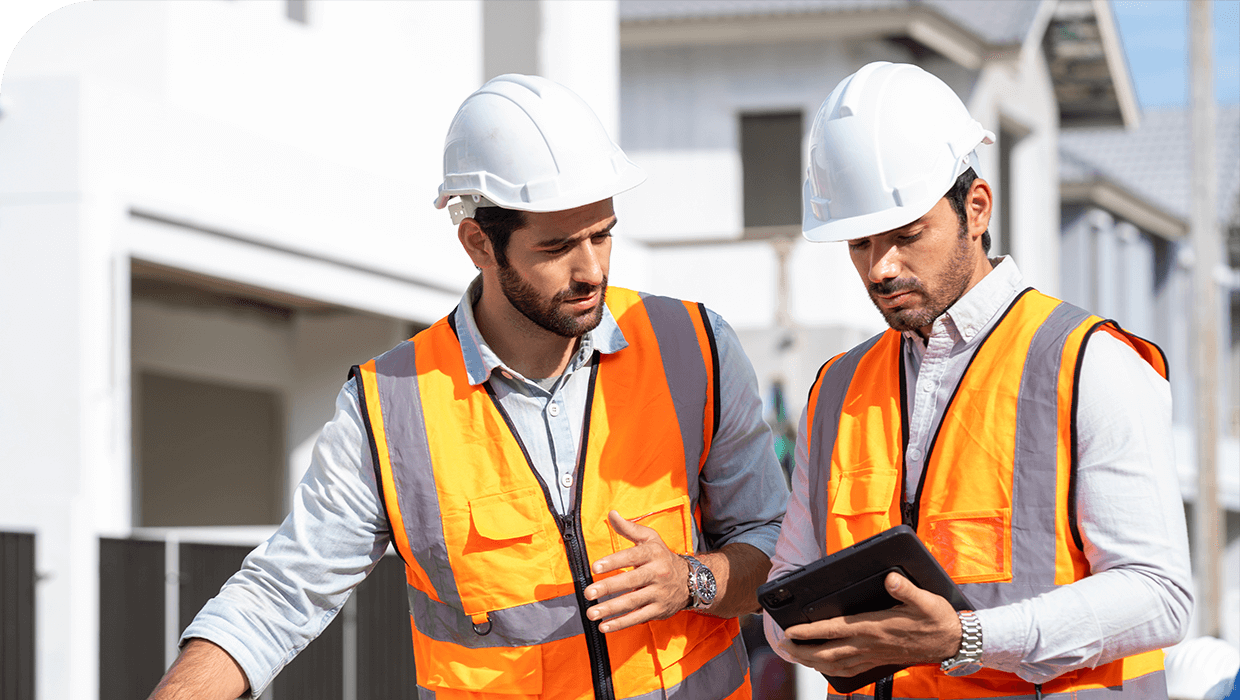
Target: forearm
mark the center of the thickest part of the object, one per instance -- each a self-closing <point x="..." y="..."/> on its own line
<point x="203" y="671"/>
<point x="739" y="569"/>
<point x="1094" y="621"/>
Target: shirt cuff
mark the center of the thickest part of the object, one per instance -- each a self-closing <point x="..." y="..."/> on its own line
<point x="258" y="672"/>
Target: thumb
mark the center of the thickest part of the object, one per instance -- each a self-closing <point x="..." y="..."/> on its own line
<point x="629" y="530"/>
<point x="902" y="589"/>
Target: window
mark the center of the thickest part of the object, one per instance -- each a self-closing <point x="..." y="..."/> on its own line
<point x="771" y="169"/>
<point x="209" y="454"/>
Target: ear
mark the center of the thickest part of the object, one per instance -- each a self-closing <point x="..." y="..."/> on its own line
<point x="476" y="243"/>
<point x="978" y="204"/>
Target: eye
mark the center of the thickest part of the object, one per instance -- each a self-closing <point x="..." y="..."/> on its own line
<point x="858" y="245"/>
<point x="600" y="237"/>
<point x="908" y="238"/>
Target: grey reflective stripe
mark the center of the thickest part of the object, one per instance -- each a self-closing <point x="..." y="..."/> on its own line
<point x="717" y="678"/>
<point x="685" y="370"/>
<point x="1151" y="686"/>
<point x="524" y="625"/>
<point x="1034" y="471"/>
<point x="417" y="497"/>
<point x="425" y="693"/>
<point x="826" y="427"/>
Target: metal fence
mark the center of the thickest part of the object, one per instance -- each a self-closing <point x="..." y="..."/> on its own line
<point x="151" y="590"/>
<point x="17" y="580"/>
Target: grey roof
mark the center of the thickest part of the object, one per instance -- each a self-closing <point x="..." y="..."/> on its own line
<point x="1153" y="161"/>
<point x="998" y="23"/>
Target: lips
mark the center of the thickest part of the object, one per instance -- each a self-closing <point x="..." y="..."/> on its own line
<point x="894" y="300"/>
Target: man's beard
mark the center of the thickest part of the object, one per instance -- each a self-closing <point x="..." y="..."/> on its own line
<point x="547" y="313"/>
<point x="954" y="282"/>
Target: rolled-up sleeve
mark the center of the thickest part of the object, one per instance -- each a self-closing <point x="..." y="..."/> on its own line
<point x="291" y="587"/>
<point x="743" y="491"/>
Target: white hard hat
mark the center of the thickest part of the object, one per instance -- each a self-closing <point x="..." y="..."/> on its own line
<point x="886" y="145"/>
<point x="528" y="143"/>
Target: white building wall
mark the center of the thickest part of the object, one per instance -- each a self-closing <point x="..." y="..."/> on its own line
<point x="297" y="158"/>
<point x="680" y="109"/>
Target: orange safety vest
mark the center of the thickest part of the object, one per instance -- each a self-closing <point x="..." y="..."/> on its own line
<point x="495" y="576"/>
<point x="996" y="502"/>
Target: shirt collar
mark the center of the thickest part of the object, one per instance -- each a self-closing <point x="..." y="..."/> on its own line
<point x="972" y="312"/>
<point x="481" y="360"/>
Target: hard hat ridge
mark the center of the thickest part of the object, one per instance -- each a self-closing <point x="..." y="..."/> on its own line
<point x="525" y="142"/>
<point x="885" y="146"/>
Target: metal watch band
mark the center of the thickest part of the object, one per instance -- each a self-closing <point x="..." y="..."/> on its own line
<point x="970" y="653"/>
<point x="700" y="575"/>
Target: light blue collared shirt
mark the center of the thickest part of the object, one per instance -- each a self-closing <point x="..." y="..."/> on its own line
<point x="291" y="587"/>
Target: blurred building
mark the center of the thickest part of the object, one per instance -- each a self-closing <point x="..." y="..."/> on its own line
<point x="210" y="209"/>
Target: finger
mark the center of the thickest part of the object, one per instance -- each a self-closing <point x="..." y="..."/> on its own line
<point x="645" y="613"/>
<point x="612" y="585"/>
<point x="634" y="557"/>
<point x="822" y="629"/>
<point x="620" y="605"/>
<point x="903" y="590"/>
<point x="629" y="530"/>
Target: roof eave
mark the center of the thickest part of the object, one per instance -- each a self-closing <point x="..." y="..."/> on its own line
<point x="921" y="24"/>
<point x="1124" y="204"/>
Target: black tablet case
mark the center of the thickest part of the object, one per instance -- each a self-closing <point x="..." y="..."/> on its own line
<point x="850" y="581"/>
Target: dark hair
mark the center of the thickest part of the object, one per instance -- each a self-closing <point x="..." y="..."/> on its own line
<point x="498" y="224"/>
<point x="956" y="196"/>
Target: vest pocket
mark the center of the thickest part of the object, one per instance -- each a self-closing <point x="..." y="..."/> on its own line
<point x="973" y="546"/>
<point x="860" y="505"/>
<point x="669" y="519"/>
<point x="495" y="672"/>
<point x="506" y="532"/>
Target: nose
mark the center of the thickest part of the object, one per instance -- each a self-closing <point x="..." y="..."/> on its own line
<point x="590" y="263"/>
<point x="884" y="263"/>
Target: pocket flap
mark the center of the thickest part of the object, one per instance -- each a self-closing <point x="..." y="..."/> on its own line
<point x="507" y="516"/>
<point x="866" y="491"/>
<point x="669" y="519"/>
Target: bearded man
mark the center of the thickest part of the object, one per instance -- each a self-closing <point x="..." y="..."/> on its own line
<point x="1028" y="442"/>
<point x="578" y="478"/>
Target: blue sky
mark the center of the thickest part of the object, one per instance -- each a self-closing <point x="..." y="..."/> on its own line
<point x="1155" y="37"/>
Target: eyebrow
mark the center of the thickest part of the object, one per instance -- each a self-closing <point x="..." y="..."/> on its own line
<point x="560" y="240"/>
<point x="902" y="229"/>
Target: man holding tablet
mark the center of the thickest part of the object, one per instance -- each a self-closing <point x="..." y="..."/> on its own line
<point x="1027" y="441"/>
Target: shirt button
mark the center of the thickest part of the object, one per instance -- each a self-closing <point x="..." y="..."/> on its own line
<point x="554" y="410"/>
<point x="924" y="388"/>
<point x="566" y="480"/>
<point x="914" y="454"/>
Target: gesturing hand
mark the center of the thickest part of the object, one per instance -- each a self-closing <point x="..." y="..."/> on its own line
<point x="923" y="628"/>
<point x="656" y="588"/>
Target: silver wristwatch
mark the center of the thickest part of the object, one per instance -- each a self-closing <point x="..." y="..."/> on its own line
<point x="701" y="584"/>
<point x="969" y="658"/>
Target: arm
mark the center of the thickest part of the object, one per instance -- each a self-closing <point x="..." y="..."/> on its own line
<point x="291" y="587"/>
<point x="1137" y="596"/>
<point x="203" y="671"/>
<point x="742" y="497"/>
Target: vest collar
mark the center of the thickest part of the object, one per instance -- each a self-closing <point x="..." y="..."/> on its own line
<point x="481" y="360"/>
<point x="973" y="312"/>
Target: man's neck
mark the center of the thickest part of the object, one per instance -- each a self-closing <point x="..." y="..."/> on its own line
<point x="521" y="344"/>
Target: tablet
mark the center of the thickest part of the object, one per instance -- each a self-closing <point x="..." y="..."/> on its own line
<point x="850" y="581"/>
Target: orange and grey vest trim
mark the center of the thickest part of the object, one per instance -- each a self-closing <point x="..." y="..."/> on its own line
<point x="996" y="502"/>
<point x="495" y="575"/>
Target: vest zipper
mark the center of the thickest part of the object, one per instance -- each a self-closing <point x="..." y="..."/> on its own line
<point x="596" y="643"/>
<point x="574" y="547"/>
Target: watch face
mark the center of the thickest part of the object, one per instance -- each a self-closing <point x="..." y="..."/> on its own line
<point x="704" y="581"/>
